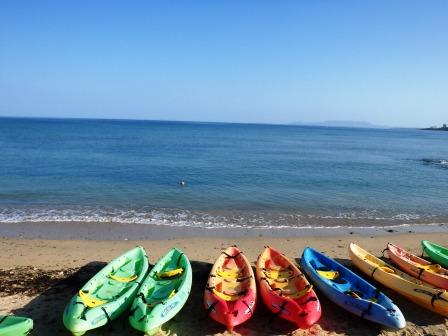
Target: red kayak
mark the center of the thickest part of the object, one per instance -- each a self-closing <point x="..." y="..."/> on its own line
<point x="231" y="293"/>
<point x="419" y="268"/>
<point x="285" y="290"/>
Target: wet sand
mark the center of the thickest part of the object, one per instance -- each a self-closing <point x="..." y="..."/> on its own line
<point x="38" y="277"/>
<point x="121" y="231"/>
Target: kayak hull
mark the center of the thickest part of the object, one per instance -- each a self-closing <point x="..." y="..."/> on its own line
<point x="437" y="253"/>
<point x="160" y="299"/>
<point x="434" y="299"/>
<point x="299" y="304"/>
<point x="15" y="325"/>
<point x="368" y="303"/>
<point x="108" y="294"/>
<point x="417" y="267"/>
<point x="236" y="304"/>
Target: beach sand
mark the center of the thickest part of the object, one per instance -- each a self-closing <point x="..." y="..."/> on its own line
<point x="38" y="277"/>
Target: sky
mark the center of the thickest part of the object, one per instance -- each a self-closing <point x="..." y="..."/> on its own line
<point x="382" y="61"/>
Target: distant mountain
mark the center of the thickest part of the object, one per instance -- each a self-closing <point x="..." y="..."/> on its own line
<point x="341" y="123"/>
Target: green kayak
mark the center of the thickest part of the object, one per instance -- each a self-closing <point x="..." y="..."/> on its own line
<point x="108" y="294"/>
<point x="163" y="293"/>
<point x="15" y="325"/>
<point x="437" y="253"/>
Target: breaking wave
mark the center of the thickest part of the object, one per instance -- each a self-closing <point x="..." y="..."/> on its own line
<point x="187" y="218"/>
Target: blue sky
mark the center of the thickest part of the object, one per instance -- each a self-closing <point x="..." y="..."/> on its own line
<point x="241" y="61"/>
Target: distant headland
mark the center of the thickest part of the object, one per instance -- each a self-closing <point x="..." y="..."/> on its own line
<point x="435" y="128"/>
<point x="341" y="123"/>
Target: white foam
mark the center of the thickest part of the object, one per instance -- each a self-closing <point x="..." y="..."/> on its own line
<point x="185" y="218"/>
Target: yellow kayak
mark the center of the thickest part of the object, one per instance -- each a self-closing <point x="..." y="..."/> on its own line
<point x="434" y="299"/>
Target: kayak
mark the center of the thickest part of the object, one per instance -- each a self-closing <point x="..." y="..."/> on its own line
<point x="434" y="299"/>
<point x="434" y="274"/>
<point x="350" y="291"/>
<point x="285" y="290"/>
<point x="15" y="325"/>
<point x="231" y="293"/>
<point x="436" y="252"/>
<point x="108" y="294"/>
<point x="163" y="293"/>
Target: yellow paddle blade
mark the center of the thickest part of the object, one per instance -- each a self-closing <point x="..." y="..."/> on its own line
<point x="278" y="274"/>
<point x="227" y="274"/>
<point x="331" y="275"/>
<point x="170" y="273"/>
<point x="123" y="279"/>
<point x="90" y="301"/>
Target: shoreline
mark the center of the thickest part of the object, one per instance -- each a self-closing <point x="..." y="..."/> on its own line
<point x="122" y="231"/>
<point x="40" y="275"/>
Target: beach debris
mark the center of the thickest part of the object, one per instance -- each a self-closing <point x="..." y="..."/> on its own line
<point x="30" y="281"/>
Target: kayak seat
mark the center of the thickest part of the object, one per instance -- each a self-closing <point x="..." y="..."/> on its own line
<point x="170" y="274"/>
<point x="110" y="290"/>
<point x="299" y="294"/>
<point x="273" y="266"/>
<point x="128" y="268"/>
<point x="228" y="274"/>
<point x="232" y="296"/>
<point x="229" y="290"/>
<point x="163" y="291"/>
<point x="434" y="268"/>
<point x="123" y="279"/>
<point x="283" y="274"/>
<point x="153" y="301"/>
<point x="354" y="294"/>
<point x="330" y="274"/>
<point x="127" y="272"/>
<point x="90" y="301"/>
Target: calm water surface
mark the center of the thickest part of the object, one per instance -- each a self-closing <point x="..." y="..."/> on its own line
<point x="236" y="174"/>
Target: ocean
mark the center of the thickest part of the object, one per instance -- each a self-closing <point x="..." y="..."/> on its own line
<point x="236" y="175"/>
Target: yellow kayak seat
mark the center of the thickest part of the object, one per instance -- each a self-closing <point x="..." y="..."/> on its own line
<point x="123" y="279"/>
<point x="433" y="268"/>
<point x="294" y="294"/>
<point x="155" y="303"/>
<point x="90" y="301"/>
<point x="170" y="273"/>
<point x="331" y="275"/>
<point x="227" y="295"/>
<point x="278" y="274"/>
<point x="228" y="274"/>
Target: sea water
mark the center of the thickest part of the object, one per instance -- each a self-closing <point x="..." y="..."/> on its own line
<point x="236" y="175"/>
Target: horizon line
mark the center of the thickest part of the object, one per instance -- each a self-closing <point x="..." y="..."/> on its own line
<point x="291" y="124"/>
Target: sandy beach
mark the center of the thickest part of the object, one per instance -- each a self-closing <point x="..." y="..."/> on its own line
<point x="39" y="276"/>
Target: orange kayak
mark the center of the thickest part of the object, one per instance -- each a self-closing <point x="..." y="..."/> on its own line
<point x="285" y="290"/>
<point x="231" y="293"/>
<point x="419" y="268"/>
